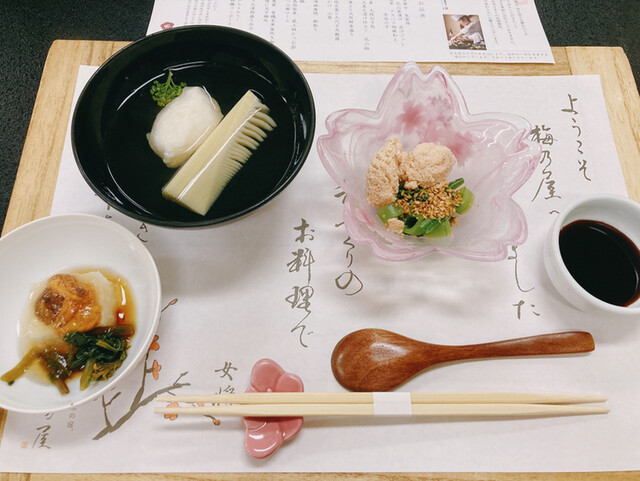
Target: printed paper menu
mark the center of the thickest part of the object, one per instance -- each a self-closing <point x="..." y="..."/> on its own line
<point x="287" y="283"/>
<point x="367" y="30"/>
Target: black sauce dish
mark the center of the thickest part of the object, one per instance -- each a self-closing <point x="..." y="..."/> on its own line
<point x="115" y="111"/>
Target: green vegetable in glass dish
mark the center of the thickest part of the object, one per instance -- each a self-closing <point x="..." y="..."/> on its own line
<point x="467" y="200"/>
<point x="428" y="212"/>
<point x="390" y="211"/>
<point x="163" y="93"/>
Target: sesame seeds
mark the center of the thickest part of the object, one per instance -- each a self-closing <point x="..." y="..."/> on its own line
<point x="436" y="202"/>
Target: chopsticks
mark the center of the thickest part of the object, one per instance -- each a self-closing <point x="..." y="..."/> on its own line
<point x="280" y="404"/>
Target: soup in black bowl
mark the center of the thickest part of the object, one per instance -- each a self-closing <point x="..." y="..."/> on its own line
<point x="116" y="111"/>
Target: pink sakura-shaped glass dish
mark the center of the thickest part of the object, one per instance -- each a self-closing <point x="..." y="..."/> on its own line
<point x="494" y="156"/>
<point x="265" y="435"/>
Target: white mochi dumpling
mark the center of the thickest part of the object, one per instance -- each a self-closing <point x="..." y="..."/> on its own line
<point x="183" y="124"/>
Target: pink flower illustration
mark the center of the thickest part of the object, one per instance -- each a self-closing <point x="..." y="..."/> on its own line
<point x="265" y="435"/>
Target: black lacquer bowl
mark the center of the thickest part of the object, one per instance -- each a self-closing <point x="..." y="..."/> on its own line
<point x="115" y="112"/>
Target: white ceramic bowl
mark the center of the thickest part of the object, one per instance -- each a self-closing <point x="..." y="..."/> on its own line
<point x="34" y="252"/>
<point x="617" y="211"/>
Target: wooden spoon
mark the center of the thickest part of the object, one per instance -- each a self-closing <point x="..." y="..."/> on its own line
<point x="379" y="360"/>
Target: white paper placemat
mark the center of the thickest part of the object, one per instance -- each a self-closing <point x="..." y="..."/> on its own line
<point x="234" y="294"/>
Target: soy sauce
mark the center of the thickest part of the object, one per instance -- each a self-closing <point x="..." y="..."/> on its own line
<point x="603" y="260"/>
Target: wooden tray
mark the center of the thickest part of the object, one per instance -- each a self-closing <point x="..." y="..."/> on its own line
<point x="37" y="174"/>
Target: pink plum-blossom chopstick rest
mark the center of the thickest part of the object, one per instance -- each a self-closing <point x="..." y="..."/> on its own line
<point x="264" y="436"/>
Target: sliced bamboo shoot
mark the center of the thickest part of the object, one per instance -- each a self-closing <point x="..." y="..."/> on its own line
<point x="199" y="182"/>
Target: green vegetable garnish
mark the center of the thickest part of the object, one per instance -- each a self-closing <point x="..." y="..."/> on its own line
<point x="454" y="184"/>
<point x="415" y="195"/>
<point x="428" y="225"/>
<point x="54" y="364"/>
<point x="425" y="212"/>
<point x="467" y="200"/>
<point x="87" y="374"/>
<point x="422" y="226"/>
<point x="57" y="368"/>
<point x="390" y="211"/>
<point x="20" y="368"/>
<point x="412" y="225"/>
<point x="99" y="352"/>
<point x="163" y="93"/>
<point x="443" y="229"/>
<point x="107" y="346"/>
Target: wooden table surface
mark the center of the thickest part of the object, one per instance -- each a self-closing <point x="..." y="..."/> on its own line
<point x="37" y="174"/>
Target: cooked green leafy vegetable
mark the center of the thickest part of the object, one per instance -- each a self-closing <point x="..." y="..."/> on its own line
<point x="96" y="353"/>
<point x="428" y="212"/>
<point x="390" y="211"/>
<point x="455" y="184"/>
<point x="23" y="366"/>
<point x="99" y="352"/>
<point x="467" y="200"/>
<point x="57" y="367"/>
<point x="418" y="225"/>
<point x="52" y="361"/>
<point x="163" y="93"/>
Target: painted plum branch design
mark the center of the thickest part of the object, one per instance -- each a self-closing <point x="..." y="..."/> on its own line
<point x="140" y="400"/>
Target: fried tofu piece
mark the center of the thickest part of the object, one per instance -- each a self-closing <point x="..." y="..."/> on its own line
<point x="396" y="225"/>
<point x="427" y="164"/>
<point x="382" y="176"/>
